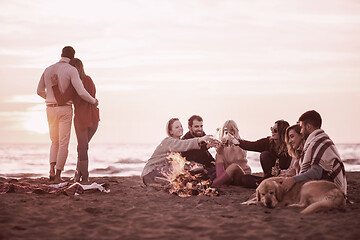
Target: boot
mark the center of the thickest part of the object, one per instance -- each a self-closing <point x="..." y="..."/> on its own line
<point x="222" y="179"/>
<point x="84" y="170"/>
<point x="77" y="175"/>
<point x="266" y="175"/>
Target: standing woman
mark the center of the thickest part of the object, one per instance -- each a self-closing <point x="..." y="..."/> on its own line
<point x="271" y="148"/>
<point x="86" y="119"/>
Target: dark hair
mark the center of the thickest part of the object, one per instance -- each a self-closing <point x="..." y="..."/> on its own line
<point x="282" y="126"/>
<point x="68" y="52"/>
<point x="170" y="124"/>
<point x="192" y="118"/>
<point x="79" y="66"/>
<point x="312" y="117"/>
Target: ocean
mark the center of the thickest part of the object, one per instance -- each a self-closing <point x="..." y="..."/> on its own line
<point x="31" y="160"/>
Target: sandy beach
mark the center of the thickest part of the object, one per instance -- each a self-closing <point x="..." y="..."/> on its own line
<point x="133" y="211"/>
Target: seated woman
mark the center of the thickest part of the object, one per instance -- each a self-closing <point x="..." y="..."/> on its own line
<point x="158" y="164"/>
<point x="271" y="148"/>
<point x="231" y="163"/>
<point x="295" y="144"/>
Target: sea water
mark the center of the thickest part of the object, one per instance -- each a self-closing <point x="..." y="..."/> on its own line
<point x="32" y="160"/>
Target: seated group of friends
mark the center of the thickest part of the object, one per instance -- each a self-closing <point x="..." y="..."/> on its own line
<point x="300" y="152"/>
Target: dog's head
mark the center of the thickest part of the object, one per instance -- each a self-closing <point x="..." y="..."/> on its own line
<point x="269" y="192"/>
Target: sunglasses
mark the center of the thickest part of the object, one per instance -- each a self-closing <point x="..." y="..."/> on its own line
<point x="274" y="130"/>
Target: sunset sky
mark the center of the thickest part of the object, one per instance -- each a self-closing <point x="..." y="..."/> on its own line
<point x="251" y="61"/>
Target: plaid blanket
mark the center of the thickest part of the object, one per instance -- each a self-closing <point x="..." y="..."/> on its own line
<point x="320" y="150"/>
<point x="13" y="186"/>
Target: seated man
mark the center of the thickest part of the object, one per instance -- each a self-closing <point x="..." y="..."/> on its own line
<point x="195" y="125"/>
<point x="320" y="159"/>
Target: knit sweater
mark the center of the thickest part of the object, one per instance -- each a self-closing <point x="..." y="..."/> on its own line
<point x="162" y="151"/>
<point x="67" y="74"/>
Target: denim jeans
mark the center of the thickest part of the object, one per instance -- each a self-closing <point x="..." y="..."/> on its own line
<point x="84" y="136"/>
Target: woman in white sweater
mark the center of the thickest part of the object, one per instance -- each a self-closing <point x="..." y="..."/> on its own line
<point x="158" y="163"/>
<point x="231" y="162"/>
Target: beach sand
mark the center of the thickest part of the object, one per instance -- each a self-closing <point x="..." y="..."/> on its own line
<point x="133" y="211"/>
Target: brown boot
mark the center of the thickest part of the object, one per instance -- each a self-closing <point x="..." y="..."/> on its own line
<point x="77" y="175"/>
<point x="222" y="179"/>
<point x="84" y="170"/>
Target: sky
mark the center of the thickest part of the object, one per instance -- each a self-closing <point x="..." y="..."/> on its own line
<point x="251" y="61"/>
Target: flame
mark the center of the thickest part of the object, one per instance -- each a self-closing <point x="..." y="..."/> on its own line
<point x="177" y="163"/>
<point x="188" y="178"/>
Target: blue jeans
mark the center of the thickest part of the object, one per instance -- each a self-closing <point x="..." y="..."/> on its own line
<point x="84" y="136"/>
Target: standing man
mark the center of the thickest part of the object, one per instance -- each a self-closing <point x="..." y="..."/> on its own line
<point x="59" y="117"/>
<point x="202" y="155"/>
<point x="320" y="159"/>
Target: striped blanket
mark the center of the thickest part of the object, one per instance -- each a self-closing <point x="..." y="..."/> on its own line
<point x="320" y="150"/>
<point x="14" y="186"/>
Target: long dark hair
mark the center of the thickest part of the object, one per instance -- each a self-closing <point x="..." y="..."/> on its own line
<point x="282" y="125"/>
<point x="77" y="63"/>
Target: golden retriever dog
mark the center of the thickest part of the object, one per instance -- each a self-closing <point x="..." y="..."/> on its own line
<point x="313" y="195"/>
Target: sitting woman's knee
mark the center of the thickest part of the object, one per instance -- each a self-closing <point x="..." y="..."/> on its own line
<point x="234" y="169"/>
<point x="267" y="160"/>
<point x="267" y="156"/>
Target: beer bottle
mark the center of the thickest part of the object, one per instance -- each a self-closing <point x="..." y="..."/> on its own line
<point x="277" y="167"/>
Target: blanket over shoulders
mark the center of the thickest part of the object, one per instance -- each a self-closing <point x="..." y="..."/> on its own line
<point x="319" y="149"/>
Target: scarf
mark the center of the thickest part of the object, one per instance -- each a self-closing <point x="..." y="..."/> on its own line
<point x="320" y="150"/>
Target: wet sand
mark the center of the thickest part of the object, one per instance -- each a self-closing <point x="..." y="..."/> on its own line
<point x="133" y="211"/>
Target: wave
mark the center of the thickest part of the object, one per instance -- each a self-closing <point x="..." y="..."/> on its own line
<point x="111" y="170"/>
<point x="21" y="175"/>
<point x="130" y="160"/>
<point x="352" y="161"/>
<point x="19" y="160"/>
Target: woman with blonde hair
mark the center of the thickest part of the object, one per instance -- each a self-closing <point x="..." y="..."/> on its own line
<point x="294" y="141"/>
<point x="231" y="162"/>
<point x="295" y="144"/>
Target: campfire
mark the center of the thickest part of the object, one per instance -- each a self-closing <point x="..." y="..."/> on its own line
<point x="188" y="178"/>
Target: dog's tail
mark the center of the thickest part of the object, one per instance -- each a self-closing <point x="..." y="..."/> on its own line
<point x="334" y="199"/>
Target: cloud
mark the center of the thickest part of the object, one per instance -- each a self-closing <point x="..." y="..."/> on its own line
<point x="154" y="50"/>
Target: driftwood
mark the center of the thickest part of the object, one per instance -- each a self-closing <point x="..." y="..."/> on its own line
<point x="192" y="181"/>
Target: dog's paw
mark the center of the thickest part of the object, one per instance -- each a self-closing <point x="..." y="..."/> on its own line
<point x="250" y="202"/>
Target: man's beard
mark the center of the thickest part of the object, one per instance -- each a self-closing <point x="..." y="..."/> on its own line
<point x="198" y="133"/>
<point x="306" y="134"/>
